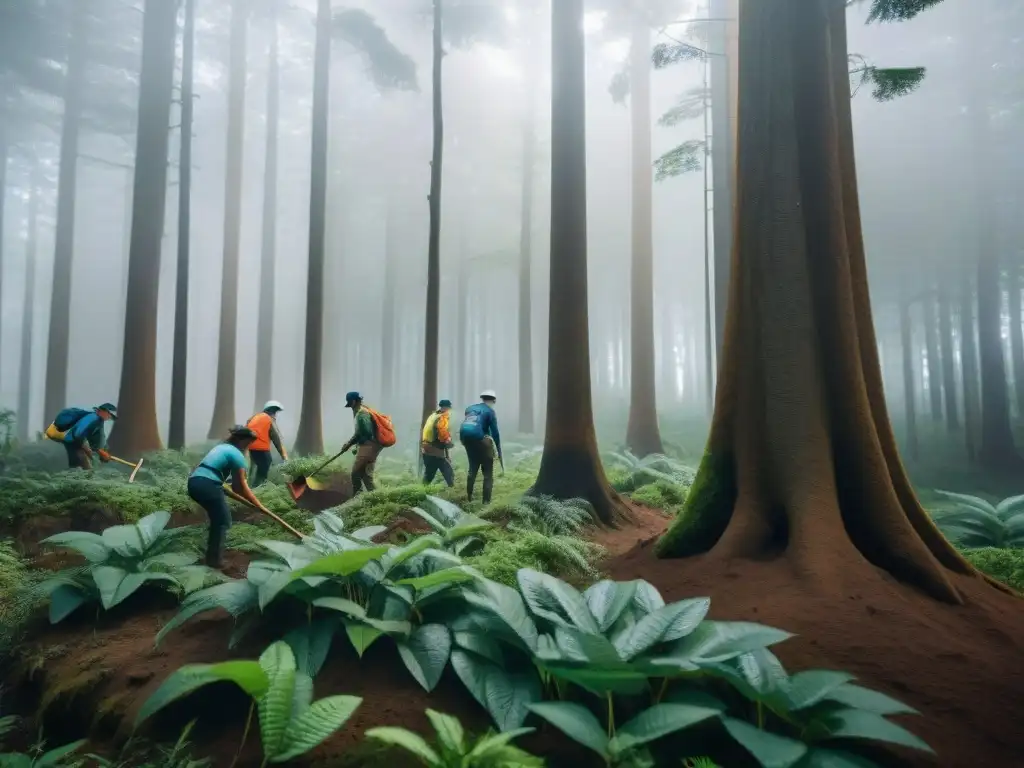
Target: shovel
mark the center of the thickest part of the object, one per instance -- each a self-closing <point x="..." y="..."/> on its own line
<point x="241" y="499"/>
<point x="135" y="471"/>
<point x="299" y="485"/>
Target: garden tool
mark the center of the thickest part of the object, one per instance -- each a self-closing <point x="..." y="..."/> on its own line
<point x="131" y="477"/>
<point x="299" y="485"/>
<point x="241" y="499"/>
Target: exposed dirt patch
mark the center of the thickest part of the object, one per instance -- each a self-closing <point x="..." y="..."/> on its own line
<point x="962" y="667"/>
<point x="404" y="523"/>
<point x="646" y="523"/>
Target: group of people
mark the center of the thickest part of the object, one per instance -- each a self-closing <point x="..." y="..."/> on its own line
<point x="82" y="433"/>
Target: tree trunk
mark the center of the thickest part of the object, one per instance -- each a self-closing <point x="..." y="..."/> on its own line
<point x="310" y="437"/>
<point x="642" y="435"/>
<point x="461" y="340"/>
<point x="3" y="200"/>
<point x="387" y="324"/>
<point x="722" y="163"/>
<point x="526" y="405"/>
<point x="801" y="459"/>
<point x="946" y="348"/>
<point x="909" y="390"/>
<point x="28" y="307"/>
<point x="1016" y="330"/>
<point x="570" y="465"/>
<point x="969" y="365"/>
<point x="931" y="341"/>
<point x="64" y="232"/>
<point x="669" y="363"/>
<point x="136" y="430"/>
<point x="434" y="244"/>
<point x="179" y="373"/>
<point x="224" y="399"/>
<point x="268" y="255"/>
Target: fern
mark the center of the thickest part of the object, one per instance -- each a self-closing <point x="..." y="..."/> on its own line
<point x="547" y="515"/>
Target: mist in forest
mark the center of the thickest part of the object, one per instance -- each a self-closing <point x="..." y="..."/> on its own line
<point x="920" y="170"/>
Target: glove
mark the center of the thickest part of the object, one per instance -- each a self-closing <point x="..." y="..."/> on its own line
<point x="104" y="455"/>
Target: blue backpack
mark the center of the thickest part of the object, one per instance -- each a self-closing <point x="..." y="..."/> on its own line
<point x="471" y="428"/>
<point x="67" y="418"/>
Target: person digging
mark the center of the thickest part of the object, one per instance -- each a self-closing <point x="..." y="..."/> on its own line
<point x="82" y="432"/>
<point x="264" y="424"/>
<point x="226" y="461"/>
<point x="479" y="436"/>
<point x="366" y="439"/>
<point x="436" y="441"/>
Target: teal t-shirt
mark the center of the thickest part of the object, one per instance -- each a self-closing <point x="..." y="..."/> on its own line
<point x="224" y="460"/>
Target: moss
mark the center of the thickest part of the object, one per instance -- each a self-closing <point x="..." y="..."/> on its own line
<point x="661" y="495"/>
<point x="1005" y="565"/>
<point x="17" y="598"/>
<point x="567" y="557"/>
<point x="67" y="688"/>
<point x="707" y="511"/>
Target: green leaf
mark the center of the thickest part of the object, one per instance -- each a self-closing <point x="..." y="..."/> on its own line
<point x="236" y="597"/>
<point x="488" y="745"/>
<point x="315" y="725"/>
<point x="134" y="540"/>
<point x="871" y="701"/>
<point x="505" y="694"/>
<point x="573" y="645"/>
<point x="64" y="600"/>
<point x="55" y="757"/>
<point x="606" y="600"/>
<point x="361" y="635"/>
<point x="575" y="721"/>
<point x="275" y="705"/>
<point x="311" y="643"/>
<point x="429" y="519"/>
<point x="769" y="750"/>
<point x="15" y="760"/>
<point x="603" y="681"/>
<point x="859" y="724"/>
<point x="723" y="640"/>
<point x="812" y="686"/>
<point x="342" y="605"/>
<point x="247" y="674"/>
<point x="658" y="721"/>
<point x="407" y="740"/>
<point x="647" y="598"/>
<point x="340" y="563"/>
<point x="829" y="758"/>
<point x="426" y="653"/>
<point x="480" y="645"/>
<point x="449" y="731"/>
<point x="663" y="625"/>
<point x="116" y="584"/>
<point x="507" y="605"/>
<point x="417" y="546"/>
<point x="90" y="545"/>
<point x="456" y="575"/>
<point x="554" y="600"/>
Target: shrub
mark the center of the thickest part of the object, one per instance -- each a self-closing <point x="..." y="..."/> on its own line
<point x="1005" y="565"/>
<point x="972" y="522"/>
<point x="635" y="472"/>
<point x="17" y="596"/>
<point x="660" y="495"/>
<point x="566" y="556"/>
<point x="544" y="514"/>
<point x="60" y="757"/>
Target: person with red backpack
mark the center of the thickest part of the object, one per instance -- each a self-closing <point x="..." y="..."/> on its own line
<point x="373" y="433"/>
<point x="81" y="432"/>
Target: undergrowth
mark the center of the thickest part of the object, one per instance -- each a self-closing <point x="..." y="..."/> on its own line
<point x="1005" y="565"/>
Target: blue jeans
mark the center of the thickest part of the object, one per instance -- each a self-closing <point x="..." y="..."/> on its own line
<point x="209" y="494"/>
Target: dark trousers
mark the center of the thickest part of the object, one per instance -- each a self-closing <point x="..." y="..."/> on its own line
<point x="77" y="457"/>
<point x="263" y="460"/>
<point x="481" y="457"/>
<point x="209" y="494"/>
<point x="434" y="464"/>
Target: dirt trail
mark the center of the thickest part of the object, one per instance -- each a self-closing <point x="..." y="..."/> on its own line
<point x="647" y="523"/>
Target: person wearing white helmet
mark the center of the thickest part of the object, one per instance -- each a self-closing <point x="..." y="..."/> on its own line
<point x="479" y="436"/>
<point x="264" y="424"/>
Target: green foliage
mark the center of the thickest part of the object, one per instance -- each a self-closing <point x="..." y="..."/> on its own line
<point x="388" y="67"/>
<point x="291" y="723"/>
<point x="707" y="511"/>
<point x="1005" y="565"/>
<point x="457" y="529"/>
<point x="887" y="84"/>
<point x="666" y="54"/>
<point x="568" y="556"/>
<point x="381" y="506"/>
<point x="134" y="755"/>
<point x="17" y="595"/>
<point x="970" y="521"/>
<point x="660" y="495"/>
<point x="545" y="514"/>
<point x="38" y="756"/>
<point x="118" y="562"/>
<point x="452" y="748"/>
<point x="681" y="159"/>
<point x="689" y="106"/>
<point x="8" y="424"/>
<point x="650" y="469"/>
<point x="897" y="10"/>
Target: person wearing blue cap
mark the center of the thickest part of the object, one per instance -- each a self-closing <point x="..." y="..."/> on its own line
<point x="435" y="442"/>
<point x="81" y="432"/>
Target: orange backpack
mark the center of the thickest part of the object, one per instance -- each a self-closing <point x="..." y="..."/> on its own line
<point x="384" y="428"/>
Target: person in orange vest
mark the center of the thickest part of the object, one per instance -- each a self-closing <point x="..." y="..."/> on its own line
<point x="264" y="424"/>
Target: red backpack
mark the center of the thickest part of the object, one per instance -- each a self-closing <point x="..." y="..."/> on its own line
<point x="383" y="427"/>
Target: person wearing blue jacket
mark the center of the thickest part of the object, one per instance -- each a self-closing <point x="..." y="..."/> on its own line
<point x="479" y="436"/>
<point x="81" y="432"/>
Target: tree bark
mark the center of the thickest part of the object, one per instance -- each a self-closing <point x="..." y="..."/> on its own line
<point x="29" y="306"/>
<point x="268" y="254"/>
<point x="1016" y="330"/>
<point x="946" y="350"/>
<point x="931" y="341"/>
<point x="526" y="404"/>
<point x="434" y="244"/>
<point x="801" y="460"/>
<point x="570" y="465"/>
<point x="722" y="163"/>
<point x="969" y="365"/>
<point x="3" y="200"/>
<point x="642" y="435"/>
<point x="179" y="373"/>
<point x="387" y="324"/>
<point x="64" y="232"/>
<point x="909" y="389"/>
<point x="461" y="340"/>
<point x="227" y="351"/>
<point x="136" y="429"/>
<point x="310" y="436"/>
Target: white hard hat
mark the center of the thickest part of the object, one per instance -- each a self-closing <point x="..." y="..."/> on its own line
<point x="273" y="404"/>
<point x="488" y="394"/>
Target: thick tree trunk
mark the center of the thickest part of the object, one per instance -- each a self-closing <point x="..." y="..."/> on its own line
<point x="931" y="341"/>
<point x="909" y="389"/>
<point x="3" y="200"/>
<point x="946" y="349"/>
<point x="227" y="350"/>
<point x="64" y="233"/>
<point x="461" y="340"/>
<point x="310" y="436"/>
<point x="387" y="321"/>
<point x="801" y="459"/>
<point x="669" y="363"/>
<point x="136" y="429"/>
<point x="28" y="307"/>
<point x="526" y="405"/>
<point x="722" y="162"/>
<point x="969" y="365"/>
<point x="570" y="465"/>
<point x="642" y="435"/>
<point x="179" y="373"/>
<point x="1016" y="330"/>
<point x="434" y="242"/>
<point x="268" y="254"/>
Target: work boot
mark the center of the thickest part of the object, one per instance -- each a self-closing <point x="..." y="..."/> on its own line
<point x="215" y="548"/>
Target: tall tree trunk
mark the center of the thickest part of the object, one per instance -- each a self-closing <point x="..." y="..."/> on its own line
<point x="434" y="243"/>
<point x="461" y="340"/>
<point x="969" y="365"/>
<point x="387" y="324"/>
<point x="224" y="399"/>
<point x="931" y="341"/>
<point x="64" y="234"/>
<point x="136" y="430"/>
<point x="909" y="390"/>
<point x="996" y="448"/>
<point x="1016" y="330"/>
<point x="179" y="373"/>
<point x="29" y="306"/>
<point x="722" y="161"/>
<point x="529" y="158"/>
<point x="570" y="465"/>
<point x="668" y="351"/>
<point x="642" y="435"/>
<point x="3" y="200"/>
<point x="801" y="459"/>
<point x="946" y="348"/>
<point x="268" y="254"/>
<point x="310" y="437"/>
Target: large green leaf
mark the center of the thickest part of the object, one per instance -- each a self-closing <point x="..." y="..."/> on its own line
<point x="340" y="563"/>
<point x="236" y="597"/>
<point x="116" y="584"/>
<point x="479" y="644"/>
<point x="275" y="705"/>
<point x="505" y="694"/>
<point x="361" y="634"/>
<point x="656" y="722"/>
<point x="1009" y="507"/>
<point x="671" y="622"/>
<point x="456" y="575"/>
<point x="829" y="758"/>
<point x="449" y="731"/>
<point x="444" y="510"/>
<point x="647" y="598"/>
<point x="55" y="757"/>
<point x="342" y="605"/>
<point x="723" y="640"/>
<point x="572" y="645"/>
<point x="133" y="540"/>
<point x="812" y="686"/>
<point x="311" y="643"/>
<point x="506" y="604"/>
<point x="860" y="724"/>
<point x="603" y="681"/>
<point x="315" y="725"/>
<point x="400" y="555"/>
<point x="757" y="675"/>
<point x="607" y="599"/>
<point x="552" y="599"/>
<point x="426" y="653"/>
<point x="871" y="701"/>
<point x="963" y="499"/>
<point x="575" y="721"/>
<point x="489" y="746"/>
<point x="64" y="600"/>
<point x="90" y="545"/>
<point x="168" y="560"/>
<point x="248" y="675"/>
<point x="407" y="740"/>
<point x="770" y="750"/>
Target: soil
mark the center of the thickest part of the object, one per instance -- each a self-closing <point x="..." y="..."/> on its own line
<point x="646" y="523"/>
<point x="961" y="667"/>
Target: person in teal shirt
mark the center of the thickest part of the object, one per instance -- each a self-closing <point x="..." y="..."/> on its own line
<point x="226" y="461"/>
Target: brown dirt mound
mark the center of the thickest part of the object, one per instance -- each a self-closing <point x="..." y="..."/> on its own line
<point x="962" y="667"/>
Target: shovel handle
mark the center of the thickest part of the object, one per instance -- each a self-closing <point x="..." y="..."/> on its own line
<point x="239" y="498"/>
<point x="333" y="458"/>
<point x="122" y="461"/>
